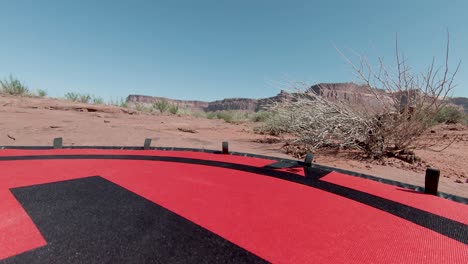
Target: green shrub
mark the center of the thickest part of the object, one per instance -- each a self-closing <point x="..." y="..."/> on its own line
<point x="174" y="109"/>
<point x="230" y="116"/>
<point x="262" y="116"/>
<point x="118" y="102"/>
<point x="450" y="115"/>
<point x="41" y="93"/>
<point x="71" y="96"/>
<point x="227" y="116"/>
<point x="97" y="100"/>
<point x="143" y="107"/>
<point x="84" y="98"/>
<point x="275" y="125"/>
<point x="76" y="97"/>
<point x="161" y="105"/>
<point x="13" y="86"/>
<point x="186" y="112"/>
<point x="211" y="115"/>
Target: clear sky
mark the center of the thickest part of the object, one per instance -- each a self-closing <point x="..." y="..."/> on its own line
<point x="209" y="50"/>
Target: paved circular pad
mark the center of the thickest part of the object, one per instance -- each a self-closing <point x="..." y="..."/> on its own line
<point x="94" y="206"/>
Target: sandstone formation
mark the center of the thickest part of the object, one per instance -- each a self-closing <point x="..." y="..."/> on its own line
<point x="219" y="105"/>
<point x="348" y="92"/>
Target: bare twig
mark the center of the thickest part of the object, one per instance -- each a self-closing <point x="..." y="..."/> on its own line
<point x="448" y="145"/>
<point x="8" y="135"/>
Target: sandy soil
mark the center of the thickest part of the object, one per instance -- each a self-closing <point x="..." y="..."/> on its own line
<point x="35" y="121"/>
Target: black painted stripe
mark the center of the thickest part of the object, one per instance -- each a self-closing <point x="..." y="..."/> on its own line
<point x="92" y="220"/>
<point x="447" y="227"/>
<point x="296" y="163"/>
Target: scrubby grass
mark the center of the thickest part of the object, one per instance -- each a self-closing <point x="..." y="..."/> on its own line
<point x="76" y="97"/>
<point x="230" y="116"/>
<point x="144" y="108"/>
<point x="13" y="86"/>
<point x="84" y="98"/>
<point x="174" y="109"/>
<point x="451" y="115"/>
<point x="41" y="93"/>
<point x="97" y="100"/>
<point x="239" y="116"/>
<point x="161" y="105"/>
<point x="120" y="102"/>
<point x="273" y="124"/>
<point x="262" y="116"/>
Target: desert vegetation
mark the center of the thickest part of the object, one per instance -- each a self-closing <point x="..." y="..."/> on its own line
<point x="408" y="104"/>
<point x="451" y="115"/>
<point x="83" y="98"/>
<point x="41" y="93"/>
<point x="120" y="102"/>
<point x="161" y="105"/>
<point x="13" y="86"/>
<point x="239" y="116"/>
<point x="174" y="109"/>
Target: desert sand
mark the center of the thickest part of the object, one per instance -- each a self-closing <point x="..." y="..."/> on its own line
<point x="36" y="121"/>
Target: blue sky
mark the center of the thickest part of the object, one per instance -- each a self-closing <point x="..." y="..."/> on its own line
<point x="208" y="50"/>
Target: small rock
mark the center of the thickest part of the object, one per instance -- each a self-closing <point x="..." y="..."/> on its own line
<point x="369" y="166"/>
<point x="54" y="126"/>
<point x="432" y="131"/>
<point x="458" y="181"/>
<point x="106" y="121"/>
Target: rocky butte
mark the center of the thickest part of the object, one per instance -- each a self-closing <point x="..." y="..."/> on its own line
<point x="246" y="104"/>
<point x="350" y="92"/>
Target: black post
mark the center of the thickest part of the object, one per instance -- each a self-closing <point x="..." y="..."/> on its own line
<point x="58" y="143"/>
<point x="147" y="144"/>
<point x="432" y="181"/>
<point x="308" y="159"/>
<point x="225" y="147"/>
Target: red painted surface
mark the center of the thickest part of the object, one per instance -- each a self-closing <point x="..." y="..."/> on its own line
<point x="17" y="232"/>
<point x="428" y="203"/>
<point x="280" y="221"/>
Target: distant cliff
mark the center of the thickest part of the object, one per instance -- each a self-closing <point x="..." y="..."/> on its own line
<point x="460" y="101"/>
<point x="351" y="92"/>
<point x="225" y="104"/>
<point x="144" y="99"/>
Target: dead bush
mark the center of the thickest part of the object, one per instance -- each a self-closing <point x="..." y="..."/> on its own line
<point x="407" y="104"/>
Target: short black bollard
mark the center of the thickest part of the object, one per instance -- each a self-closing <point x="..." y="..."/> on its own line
<point x="147" y="144"/>
<point x="432" y="181"/>
<point x="308" y="159"/>
<point x="58" y="143"/>
<point x="225" y="147"/>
